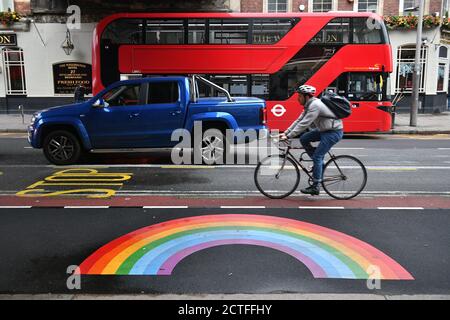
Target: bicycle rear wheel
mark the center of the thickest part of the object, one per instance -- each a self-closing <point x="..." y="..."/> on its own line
<point x="344" y="177"/>
<point x="277" y="177"/>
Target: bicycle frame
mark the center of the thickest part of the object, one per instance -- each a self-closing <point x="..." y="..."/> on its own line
<point x="286" y="152"/>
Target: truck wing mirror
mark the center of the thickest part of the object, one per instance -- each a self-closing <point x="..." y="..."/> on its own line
<point x="100" y="103"/>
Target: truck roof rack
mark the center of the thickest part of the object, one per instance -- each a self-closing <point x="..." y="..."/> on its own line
<point x="196" y="77"/>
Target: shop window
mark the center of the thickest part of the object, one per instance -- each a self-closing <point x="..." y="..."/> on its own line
<point x="441" y="77"/>
<point x="405" y="68"/>
<point x="14" y="67"/>
<point x="443" y="52"/>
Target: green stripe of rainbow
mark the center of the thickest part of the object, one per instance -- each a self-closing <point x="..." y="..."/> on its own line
<point x="157" y="249"/>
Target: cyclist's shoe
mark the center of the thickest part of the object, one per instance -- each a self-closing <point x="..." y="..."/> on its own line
<point x="312" y="190"/>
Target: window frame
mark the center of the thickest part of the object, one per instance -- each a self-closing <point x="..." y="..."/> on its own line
<point x="334" y="6"/>
<point x="401" y="8"/>
<point x="10" y="5"/>
<point x="293" y="21"/>
<point x="288" y="7"/>
<point x="146" y="93"/>
<point x="378" y="10"/>
<point x="445" y="62"/>
<point x="7" y="72"/>
<point x="423" y="62"/>
<point x="140" y="98"/>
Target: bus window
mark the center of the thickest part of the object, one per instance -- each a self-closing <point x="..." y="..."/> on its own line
<point x="228" y="31"/>
<point x="197" y="31"/>
<point x="169" y="31"/>
<point x="269" y="31"/>
<point x="337" y="31"/>
<point x="366" y="86"/>
<point x="260" y="85"/>
<point x="367" y="31"/>
<point x="124" y="31"/>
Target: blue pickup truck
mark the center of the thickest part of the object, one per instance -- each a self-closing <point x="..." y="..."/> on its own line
<point x="142" y="114"/>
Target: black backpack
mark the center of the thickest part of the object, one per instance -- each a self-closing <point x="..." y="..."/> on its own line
<point x="340" y="106"/>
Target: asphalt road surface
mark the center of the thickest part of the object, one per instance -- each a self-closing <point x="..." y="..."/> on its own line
<point x="56" y="217"/>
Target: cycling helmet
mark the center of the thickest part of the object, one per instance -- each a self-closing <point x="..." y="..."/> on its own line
<point x="305" y="89"/>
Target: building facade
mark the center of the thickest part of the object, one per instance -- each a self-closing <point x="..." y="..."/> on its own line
<point x="36" y="71"/>
<point x="434" y="85"/>
<point x="39" y="67"/>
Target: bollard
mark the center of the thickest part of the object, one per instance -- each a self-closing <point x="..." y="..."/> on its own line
<point x="21" y="113"/>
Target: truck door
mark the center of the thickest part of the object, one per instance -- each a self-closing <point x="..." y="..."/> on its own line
<point x="163" y="113"/>
<point x="115" y="124"/>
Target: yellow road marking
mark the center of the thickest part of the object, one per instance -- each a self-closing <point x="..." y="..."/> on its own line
<point x="76" y="177"/>
<point x="97" y="193"/>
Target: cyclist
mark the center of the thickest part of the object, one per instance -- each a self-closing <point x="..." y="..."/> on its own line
<point x="328" y="130"/>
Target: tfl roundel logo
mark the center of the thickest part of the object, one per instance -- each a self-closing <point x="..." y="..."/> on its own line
<point x="278" y="110"/>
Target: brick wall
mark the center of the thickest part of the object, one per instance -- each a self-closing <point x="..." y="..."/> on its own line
<point x="390" y="7"/>
<point x="251" y="5"/>
<point x="296" y="3"/>
<point x="23" y="7"/>
<point x="344" y="5"/>
<point x="435" y="6"/>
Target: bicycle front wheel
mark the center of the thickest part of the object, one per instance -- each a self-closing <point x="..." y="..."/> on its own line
<point x="344" y="177"/>
<point x="277" y="177"/>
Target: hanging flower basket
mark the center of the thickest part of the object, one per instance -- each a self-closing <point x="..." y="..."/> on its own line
<point x="410" y="22"/>
<point x="7" y="18"/>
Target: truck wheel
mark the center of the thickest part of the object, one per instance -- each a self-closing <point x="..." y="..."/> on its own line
<point x="62" y="148"/>
<point x="212" y="149"/>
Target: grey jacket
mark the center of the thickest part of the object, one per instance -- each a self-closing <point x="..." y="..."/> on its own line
<point x="317" y="113"/>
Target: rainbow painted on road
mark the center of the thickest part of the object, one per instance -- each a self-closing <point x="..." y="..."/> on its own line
<point x="157" y="249"/>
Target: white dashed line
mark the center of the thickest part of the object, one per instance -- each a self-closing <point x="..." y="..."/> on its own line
<point x="15" y="207"/>
<point x="86" y="207"/>
<point x="166" y="207"/>
<point x="337" y="208"/>
<point x="400" y="208"/>
<point x="242" y="207"/>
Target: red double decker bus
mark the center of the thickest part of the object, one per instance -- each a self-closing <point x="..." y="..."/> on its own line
<point x="262" y="55"/>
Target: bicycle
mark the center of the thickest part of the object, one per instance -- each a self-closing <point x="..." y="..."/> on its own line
<point x="344" y="176"/>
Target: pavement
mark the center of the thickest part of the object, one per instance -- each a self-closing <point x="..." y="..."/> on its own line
<point x="426" y="123"/>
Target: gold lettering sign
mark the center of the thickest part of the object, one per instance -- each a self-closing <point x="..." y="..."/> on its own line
<point x="8" y="40"/>
<point x="69" y="75"/>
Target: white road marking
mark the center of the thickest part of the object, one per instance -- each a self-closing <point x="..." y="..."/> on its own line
<point x="235" y="166"/>
<point x="400" y="208"/>
<point x="242" y="207"/>
<point x="86" y="207"/>
<point x="166" y="207"/>
<point x="309" y="207"/>
<point x="15" y="207"/>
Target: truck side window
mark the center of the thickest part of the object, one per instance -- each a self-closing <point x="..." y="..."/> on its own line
<point x="123" y="95"/>
<point x="163" y="92"/>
